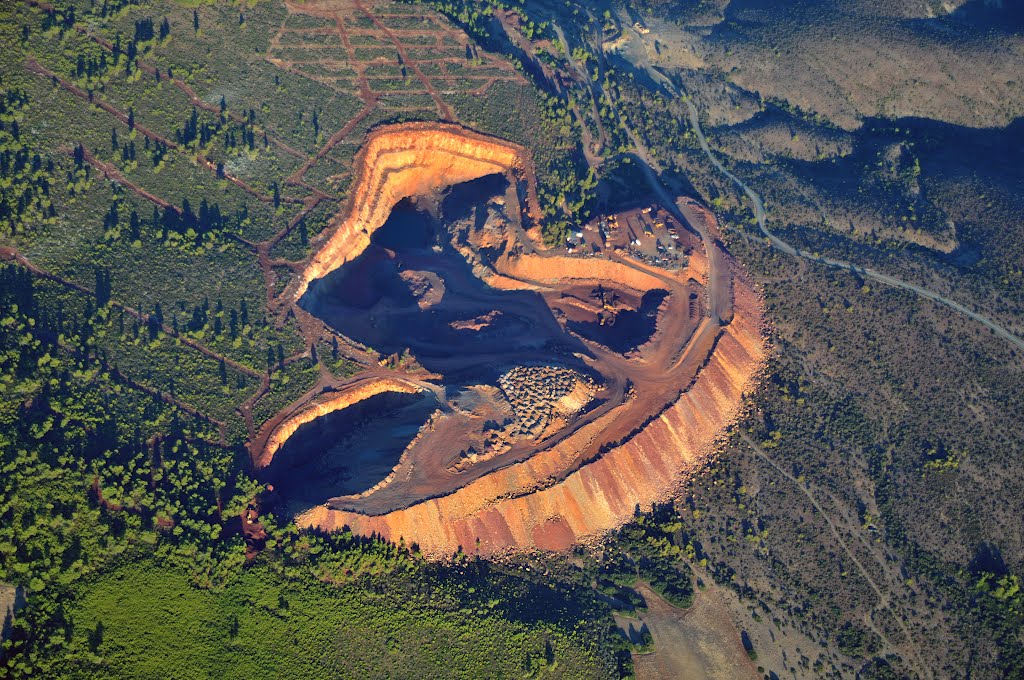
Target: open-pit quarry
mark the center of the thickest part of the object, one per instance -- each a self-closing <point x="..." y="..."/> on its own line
<point x="542" y="397"/>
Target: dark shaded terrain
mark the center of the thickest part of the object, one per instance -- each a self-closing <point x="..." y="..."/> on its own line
<point x="627" y="329"/>
<point x="368" y="300"/>
<point x="347" y="451"/>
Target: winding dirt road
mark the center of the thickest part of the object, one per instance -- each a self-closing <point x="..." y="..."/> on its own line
<point x="885" y="601"/>
<point x="637" y="56"/>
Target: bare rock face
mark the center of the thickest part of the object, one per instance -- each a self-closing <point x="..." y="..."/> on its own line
<point x="560" y="269"/>
<point x="287" y="427"/>
<point x="400" y="162"/>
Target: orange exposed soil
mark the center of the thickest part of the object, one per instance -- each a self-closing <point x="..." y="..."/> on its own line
<point x="559" y="270"/>
<point x="512" y="507"/>
<point x="662" y="359"/>
<point x="402" y="161"/>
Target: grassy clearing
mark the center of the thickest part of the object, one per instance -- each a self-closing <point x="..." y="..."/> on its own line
<point x="154" y="624"/>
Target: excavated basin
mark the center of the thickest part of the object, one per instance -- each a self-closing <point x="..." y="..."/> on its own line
<point x="373" y="300"/>
<point x="349" y="450"/>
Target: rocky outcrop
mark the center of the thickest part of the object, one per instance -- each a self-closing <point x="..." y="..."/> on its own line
<point x="401" y="161"/>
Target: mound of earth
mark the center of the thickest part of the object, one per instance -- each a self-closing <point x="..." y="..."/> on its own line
<point x="565" y="391"/>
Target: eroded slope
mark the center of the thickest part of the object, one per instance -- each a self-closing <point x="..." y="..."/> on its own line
<point x="518" y="507"/>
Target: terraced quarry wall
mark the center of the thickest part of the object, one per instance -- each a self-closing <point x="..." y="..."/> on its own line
<point x="633" y="451"/>
<point x="560" y="269"/>
<point x="280" y="434"/>
<point x="401" y="161"/>
<point x="517" y="507"/>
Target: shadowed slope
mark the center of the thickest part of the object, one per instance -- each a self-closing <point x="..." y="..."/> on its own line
<point x="401" y="161"/>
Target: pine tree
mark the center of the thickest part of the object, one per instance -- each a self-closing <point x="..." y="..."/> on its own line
<point x="135" y="226"/>
<point x="102" y="287"/>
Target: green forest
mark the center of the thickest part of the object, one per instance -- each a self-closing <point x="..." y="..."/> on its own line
<point x="122" y="520"/>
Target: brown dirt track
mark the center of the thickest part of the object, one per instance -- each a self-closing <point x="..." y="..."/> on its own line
<point x="663" y="406"/>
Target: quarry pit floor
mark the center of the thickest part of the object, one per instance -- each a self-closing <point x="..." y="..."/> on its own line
<point x="486" y="352"/>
